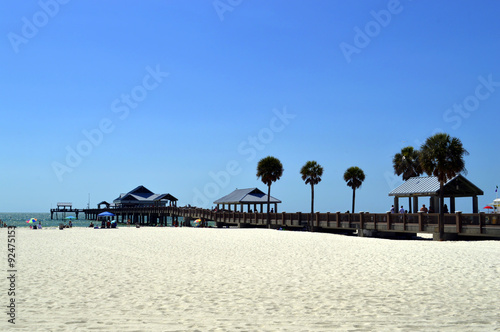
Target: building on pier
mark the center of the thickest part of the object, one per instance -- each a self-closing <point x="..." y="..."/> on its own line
<point x="246" y="197"/>
<point x="143" y="197"/>
<point x="428" y="186"/>
<point x="63" y="208"/>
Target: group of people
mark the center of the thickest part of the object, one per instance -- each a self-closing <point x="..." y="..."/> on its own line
<point x="402" y="210"/>
<point x="423" y="209"/>
<point x="39" y="226"/>
<point x="104" y="224"/>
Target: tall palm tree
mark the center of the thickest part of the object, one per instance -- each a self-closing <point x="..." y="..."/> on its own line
<point x="407" y="163"/>
<point x="354" y="176"/>
<point x="443" y="156"/>
<point x="311" y="174"/>
<point x="269" y="170"/>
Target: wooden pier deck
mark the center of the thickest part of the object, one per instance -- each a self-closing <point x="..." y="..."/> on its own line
<point x="457" y="225"/>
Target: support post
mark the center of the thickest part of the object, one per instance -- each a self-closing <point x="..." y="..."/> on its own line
<point x="475" y="208"/>
<point x="415" y="204"/>
<point x="458" y="219"/>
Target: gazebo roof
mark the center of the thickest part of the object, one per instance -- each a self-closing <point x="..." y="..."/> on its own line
<point x="246" y="196"/>
<point x="458" y="186"/>
<point x="142" y="194"/>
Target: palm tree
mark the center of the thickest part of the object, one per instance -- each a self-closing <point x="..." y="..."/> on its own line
<point x="311" y="174"/>
<point x="269" y="170"/>
<point x="354" y="176"/>
<point x="407" y="163"/>
<point x="443" y="156"/>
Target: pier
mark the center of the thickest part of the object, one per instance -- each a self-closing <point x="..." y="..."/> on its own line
<point x="63" y="208"/>
<point x="457" y="225"/>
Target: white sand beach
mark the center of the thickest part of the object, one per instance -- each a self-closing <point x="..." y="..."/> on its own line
<point x="192" y="279"/>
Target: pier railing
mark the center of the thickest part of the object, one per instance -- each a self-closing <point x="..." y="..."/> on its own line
<point x="479" y="224"/>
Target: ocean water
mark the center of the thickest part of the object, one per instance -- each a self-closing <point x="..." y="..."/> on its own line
<point x="19" y="219"/>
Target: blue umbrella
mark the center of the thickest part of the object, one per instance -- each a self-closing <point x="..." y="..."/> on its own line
<point x="105" y="214"/>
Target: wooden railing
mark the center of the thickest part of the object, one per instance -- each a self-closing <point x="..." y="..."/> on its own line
<point x="458" y="223"/>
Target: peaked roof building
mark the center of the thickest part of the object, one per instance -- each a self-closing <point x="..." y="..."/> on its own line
<point x="416" y="187"/>
<point x="248" y="197"/>
<point x="142" y="196"/>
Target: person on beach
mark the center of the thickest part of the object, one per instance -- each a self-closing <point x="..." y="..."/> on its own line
<point x="424" y="209"/>
<point x="445" y="208"/>
<point x="401" y="210"/>
<point x="392" y="209"/>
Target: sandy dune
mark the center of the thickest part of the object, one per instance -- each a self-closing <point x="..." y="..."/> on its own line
<point x="185" y="279"/>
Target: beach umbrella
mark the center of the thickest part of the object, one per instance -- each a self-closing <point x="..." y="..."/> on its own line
<point x="31" y="221"/>
<point x="105" y="214"/>
<point x="70" y="217"/>
<point x="197" y="222"/>
<point x="488" y="207"/>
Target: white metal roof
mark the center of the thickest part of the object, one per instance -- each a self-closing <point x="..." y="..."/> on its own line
<point x="429" y="186"/>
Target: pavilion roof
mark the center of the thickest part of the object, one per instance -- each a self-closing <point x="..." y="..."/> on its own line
<point x="458" y="186"/>
<point x="142" y="194"/>
<point x="246" y="196"/>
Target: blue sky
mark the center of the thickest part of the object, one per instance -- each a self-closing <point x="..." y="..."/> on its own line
<point x="185" y="97"/>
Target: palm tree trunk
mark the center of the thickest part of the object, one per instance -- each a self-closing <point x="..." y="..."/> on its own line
<point x="353" y="198"/>
<point x="441" y="212"/>
<point x="268" y="205"/>
<point x="312" y="207"/>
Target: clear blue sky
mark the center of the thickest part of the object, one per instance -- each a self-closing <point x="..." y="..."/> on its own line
<point x="185" y="97"/>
